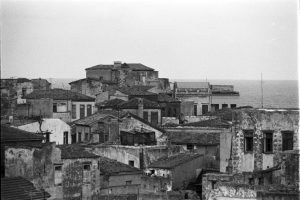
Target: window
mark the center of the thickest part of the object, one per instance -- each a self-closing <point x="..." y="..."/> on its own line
<point x="204" y="109"/>
<point x="213" y="183"/>
<point x="131" y="163"/>
<point x="232" y="105"/>
<point x="163" y="112"/>
<point x="82" y="111"/>
<point x="73" y="138"/>
<point x="79" y="136"/>
<point x="261" y="181"/>
<point x="54" y="107"/>
<point x="66" y="137"/>
<point x="175" y="112"/>
<point x="189" y="147"/>
<point x="105" y="138"/>
<point x="287" y="140"/>
<point x="145" y="116"/>
<point x="61" y="107"/>
<point x="74" y="111"/>
<point x="224" y="106"/>
<point x="89" y="110"/>
<point x="86" y="167"/>
<point x="47" y="136"/>
<point x="86" y="136"/>
<point x="215" y="106"/>
<point x="58" y="174"/>
<point x="23" y="92"/>
<point x="154" y="118"/>
<point x="128" y="182"/>
<point x="268" y="141"/>
<point x="195" y="110"/>
<point x="248" y="137"/>
<point x="251" y="181"/>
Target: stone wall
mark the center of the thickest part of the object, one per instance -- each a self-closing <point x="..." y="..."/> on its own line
<point x="259" y="121"/>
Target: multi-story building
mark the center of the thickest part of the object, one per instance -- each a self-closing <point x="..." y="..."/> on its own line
<point x="58" y="103"/>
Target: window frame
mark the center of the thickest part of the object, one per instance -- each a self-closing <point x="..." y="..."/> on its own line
<point x="287" y="137"/>
<point x="268" y="137"/>
<point x="248" y="135"/>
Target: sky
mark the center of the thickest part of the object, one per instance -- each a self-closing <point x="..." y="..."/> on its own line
<point x="182" y="39"/>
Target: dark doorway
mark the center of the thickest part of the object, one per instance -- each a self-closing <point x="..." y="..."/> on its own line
<point x="204" y="109"/>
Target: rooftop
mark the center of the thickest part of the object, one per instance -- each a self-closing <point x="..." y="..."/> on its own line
<point x="144" y="121"/>
<point x="174" y="161"/>
<point x="132" y="66"/>
<point x="113" y="103"/>
<point x="74" y="151"/>
<point x="136" y="90"/>
<point x="10" y="134"/>
<point x="58" y="94"/>
<point x="93" y="79"/>
<point x="97" y="117"/>
<point x="166" y="98"/>
<point x="18" y="188"/>
<point x="109" y="166"/>
<point x="192" y="84"/>
<point x="133" y="104"/>
<point x="205" y="138"/>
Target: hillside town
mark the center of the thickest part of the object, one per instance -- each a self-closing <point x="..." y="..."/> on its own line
<point x="125" y="133"/>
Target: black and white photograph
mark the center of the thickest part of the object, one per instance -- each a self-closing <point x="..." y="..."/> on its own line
<point x="150" y="99"/>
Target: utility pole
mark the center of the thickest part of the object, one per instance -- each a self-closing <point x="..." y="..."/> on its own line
<point x="262" y="91"/>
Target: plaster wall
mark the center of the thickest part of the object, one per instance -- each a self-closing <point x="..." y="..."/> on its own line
<point x="78" y="103"/>
<point x="57" y="128"/>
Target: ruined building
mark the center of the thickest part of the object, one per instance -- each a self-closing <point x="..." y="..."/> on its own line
<point x="263" y="161"/>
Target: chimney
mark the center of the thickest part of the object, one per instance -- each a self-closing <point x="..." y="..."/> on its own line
<point x="140" y="107"/>
<point x="117" y="64"/>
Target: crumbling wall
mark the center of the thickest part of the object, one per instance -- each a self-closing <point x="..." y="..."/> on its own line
<point x="259" y="121"/>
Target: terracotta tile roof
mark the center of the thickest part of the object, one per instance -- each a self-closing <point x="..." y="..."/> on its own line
<point x="209" y="138"/>
<point x="111" y="103"/>
<point x="95" y="118"/>
<point x="10" y="134"/>
<point x="136" y="90"/>
<point x="75" y="151"/>
<point x="132" y="66"/>
<point x="145" y="122"/>
<point x="173" y="161"/>
<point x="166" y="98"/>
<point x="18" y="188"/>
<point x="109" y="166"/>
<point x="133" y="104"/>
<point x="93" y="79"/>
<point x="58" y="94"/>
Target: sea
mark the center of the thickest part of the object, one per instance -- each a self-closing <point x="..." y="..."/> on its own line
<point x="273" y="93"/>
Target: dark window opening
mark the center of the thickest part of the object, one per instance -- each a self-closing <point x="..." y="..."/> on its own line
<point x="175" y="112"/>
<point x="251" y="181"/>
<point x="232" y="105"/>
<point x="79" y="136"/>
<point x="105" y="138"/>
<point x="73" y="138"/>
<point x="186" y="196"/>
<point x="131" y="163"/>
<point x="128" y="182"/>
<point x="82" y="113"/>
<point x="86" y="137"/>
<point x="215" y="106"/>
<point x="213" y="184"/>
<point x="204" y="109"/>
<point x="87" y="167"/>
<point x="145" y="116"/>
<point x="268" y="141"/>
<point x="47" y="137"/>
<point x="248" y="143"/>
<point x="89" y="110"/>
<point x="154" y="118"/>
<point x="195" y="110"/>
<point x="23" y="92"/>
<point x="74" y="111"/>
<point x="287" y="140"/>
<point x="54" y="107"/>
<point x="58" y="168"/>
<point x="189" y="146"/>
<point x="261" y="181"/>
<point x="224" y="106"/>
<point x="66" y="137"/>
<point x="152" y="171"/>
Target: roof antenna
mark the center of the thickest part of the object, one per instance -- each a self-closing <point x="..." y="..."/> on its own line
<point x="262" y="91"/>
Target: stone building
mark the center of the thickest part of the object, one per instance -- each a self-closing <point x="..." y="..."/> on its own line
<point x="58" y="103"/>
<point x="64" y="172"/>
<point x="118" y="179"/>
<point x="263" y="161"/>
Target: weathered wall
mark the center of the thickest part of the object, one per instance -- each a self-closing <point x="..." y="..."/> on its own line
<point x="134" y="124"/>
<point x="198" y="100"/>
<point x="259" y="121"/>
<point x="97" y="73"/>
<point x="187" y="108"/>
<point x="78" y="103"/>
<point x="225" y="99"/>
<point x="225" y="149"/>
<point x="56" y="127"/>
<point x="35" y="107"/>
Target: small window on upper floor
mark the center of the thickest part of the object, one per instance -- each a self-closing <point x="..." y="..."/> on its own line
<point x="128" y="182"/>
<point x="87" y="167"/>
<point x="131" y="163"/>
<point x="287" y="140"/>
<point x="248" y="143"/>
<point x="268" y="141"/>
